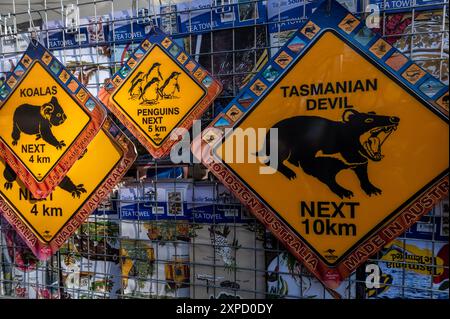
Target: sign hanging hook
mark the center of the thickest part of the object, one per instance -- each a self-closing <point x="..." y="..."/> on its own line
<point x="33" y="33"/>
<point x="154" y="19"/>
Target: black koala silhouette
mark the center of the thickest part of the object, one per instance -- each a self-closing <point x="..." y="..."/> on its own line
<point x="38" y="120"/>
<point x="314" y="144"/>
<point x="66" y="184"/>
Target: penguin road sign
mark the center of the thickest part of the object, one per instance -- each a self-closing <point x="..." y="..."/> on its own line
<point x="47" y="119"/>
<point x="353" y="144"/>
<point x="160" y="88"/>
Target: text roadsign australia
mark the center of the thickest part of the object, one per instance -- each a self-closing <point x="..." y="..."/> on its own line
<point x="157" y="90"/>
<point x="46" y="120"/>
<point x="362" y="149"/>
<point x="46" y="224"/>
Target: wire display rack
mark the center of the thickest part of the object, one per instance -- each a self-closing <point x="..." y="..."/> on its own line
<point x="172" y="231"/>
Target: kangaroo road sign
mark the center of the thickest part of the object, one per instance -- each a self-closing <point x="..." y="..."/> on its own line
<point x="47" y="119"/>
<point x="157" y="90"/>
<point x="362" y="144"/>
<point x="46" y="224"/>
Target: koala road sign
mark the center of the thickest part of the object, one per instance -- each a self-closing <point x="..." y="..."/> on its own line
<point x="362" y="144"/>
<point x="158" y="89"/>
<point x="46" y="224"/>
<point x="47" y="119"/>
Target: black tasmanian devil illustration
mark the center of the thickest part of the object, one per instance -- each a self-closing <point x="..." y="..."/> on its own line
<point x="38" y="120"/>
<point x="315" y="143"/>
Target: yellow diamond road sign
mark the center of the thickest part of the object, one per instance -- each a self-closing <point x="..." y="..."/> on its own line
<point x="47" y="223"/>
<point x="157" y="95"/>
<point x="159" y="89"/>
<point x="40" y="121"/>
<point x="47" y="119"/>
<point x="354" y="149"/>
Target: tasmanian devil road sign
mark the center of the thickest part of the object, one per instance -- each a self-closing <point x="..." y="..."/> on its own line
<point x="47" y="119"/>
<point x="158" y="89"/>
<point x="354" y="143"/>
<point x="47" y="223"/>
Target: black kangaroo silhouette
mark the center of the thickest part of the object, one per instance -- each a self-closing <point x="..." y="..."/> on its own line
<point x="314" y="144"/>
<point x="66" y="184"/>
